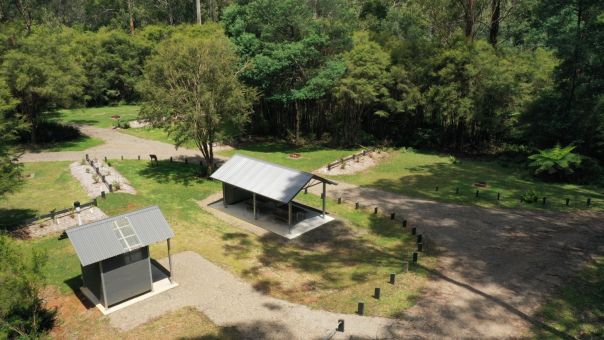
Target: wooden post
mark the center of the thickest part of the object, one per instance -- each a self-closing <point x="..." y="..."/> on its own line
<point x="392" y="216"/>
<point x="323" y="215"/>
<point x="339" y="200"/>
<point x="170" y="261"/>
<point x="254" y="204"/>
<point x="392" y="278"/>
<point x="356" y="205"/>
<point x="377" y="293"/>
<point x="375" y="210"/>
<point x="224" y="203"/>
<point x="361" y="308"/>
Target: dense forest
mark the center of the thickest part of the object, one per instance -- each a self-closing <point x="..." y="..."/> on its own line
<point x="465" y="76"/>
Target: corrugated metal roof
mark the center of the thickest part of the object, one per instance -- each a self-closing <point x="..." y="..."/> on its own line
<point x="97" y="241"/>
<point x="267" y="179"/>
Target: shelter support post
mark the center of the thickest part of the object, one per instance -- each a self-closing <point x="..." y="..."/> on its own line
<point x="324" y="193"/>
<point x="289" y="215"/>
<point x="170" y="261"/>
<point x="224" y="195"/>
<point x="254" y="204"/>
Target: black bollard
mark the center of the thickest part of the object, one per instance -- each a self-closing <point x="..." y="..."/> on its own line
<point x="414" y="257"/>
<point x="436" y="189"/>
<point x="139" y="157"/>
<point x="375" y="210"/>
<point x="457" y="190"/>
<point x="76" y="204"/>
<point x="87" y="158"/>
<point x="340" y="325"/>
<point x="544" y="200"/>
<point x="498" y="196"/>
<point x="170" y="159"/>
<point x="122" y="157"/>
<point x="392" y="278"/>
<point x="361" y="308"/>
<point x="339" y="200"/>
<point x="186" y="160"/>
<point x="413" y="231"/>
<point x="102" y="194"/>
<point x="392" y="216"/>
<point x="305" y="190"/>
<point x="588" y="202"/>
<point x="95" y="202"/>
<point x="420" y="247"/>
<point x="567" y="201"/>
<point x="377" y="292"/>
<point x="356" y="205"/>
<point x="476" y="193"/>
<point x="419" y="238"/>
<point x="404" y="223"/>
<point x="110" y="188"/>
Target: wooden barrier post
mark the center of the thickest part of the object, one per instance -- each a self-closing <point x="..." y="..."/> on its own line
<point x="339" y="200"/>
<point x="103" y="194"/>
<point x="392" y="216"/>
<point x="588" y="202"/>
<point x="375" y="210"/>
<point x="356" y="205"/>
<point x="392" y="278"/>
<point x="567" y="201"/>
<point x="377" y="292"/>
<point x="404" y="223"/>
<point x="361" y="308"/>
<point x="415" y="255"/>
<point x="413" y="231"/>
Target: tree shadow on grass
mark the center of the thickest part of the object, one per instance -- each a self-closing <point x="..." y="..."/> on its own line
<point x="249" y="330"/>
<point x="172" y="172"/>
<point x="13" y="219"/>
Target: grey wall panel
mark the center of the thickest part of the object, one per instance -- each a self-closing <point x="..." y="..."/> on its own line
<point x="127" y="275"/>
<point x="91" y="275"/>
<point x="233" y="194"/>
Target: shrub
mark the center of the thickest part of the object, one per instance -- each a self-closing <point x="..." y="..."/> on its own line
<point x="555" y="163"/>
<point x="22" y="310"/>
<point x="529" y="196"/>
<point x="49" y="132"/>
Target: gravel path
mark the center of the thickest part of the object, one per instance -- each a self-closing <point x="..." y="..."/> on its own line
<point x="116" y="145"/>
<point x="229" y="301"/>
<point x="495" y="265"/>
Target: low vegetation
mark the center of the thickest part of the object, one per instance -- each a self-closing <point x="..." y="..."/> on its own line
<point x="577" y="309"/>
<point x="99" y="116"/>
<point x="47" y="186"/>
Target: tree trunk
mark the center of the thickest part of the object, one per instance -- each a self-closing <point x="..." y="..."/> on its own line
<point x="469" y="19"/>
<point x="198" y="10"/>
<point x="130" y="8"/>
<point x="297" y="122"/>
<point x="495" y="17"/>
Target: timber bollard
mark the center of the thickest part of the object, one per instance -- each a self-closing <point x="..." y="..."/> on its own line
<point x="404" y="223"/>
<point x="588" y="202"/>
<point x="186" y="160"/>
<point x="139" y="157"/>
<point x="110" y="187"/>
<point x="377" y="292"/>
<point x="356" y="205"/>
<point x="498" y="196"/>
<point x="477" y="193"/>
<point x="103" y="194"/>
<point x="339" y="200"/>
<point x="457" y="190"/>
<point x="419" y="238"/>
<point x="375" y="210"/>
<point x="170" y="159"/>
<point x="544" y="200"/>
<point x="87" y="158"/>
<point x="436" y="188"/>
<point x="413" y="231"/>
<point x="361" y="308"/>
<point x="95" y="202"/>
<point x="420" y="247"/>
<point x="340" y="325"/>
<point x="415" y="257"/>
<point x="392" y="278"/>
<point x="567" y="201"/>
<point x="406" y="264"/>
<point x="122" y="157"/>
<point x="105" y="158"/>
<point x="305" y="191"/>
<point x="392" y="216"/>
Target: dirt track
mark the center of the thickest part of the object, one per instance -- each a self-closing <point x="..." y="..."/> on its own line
<point x="495" y="266"/>
<point x="116" y="145"/>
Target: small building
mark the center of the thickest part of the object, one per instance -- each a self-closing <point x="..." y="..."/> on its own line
<point x="263" y="193"/>
<point x="115" y="260"/>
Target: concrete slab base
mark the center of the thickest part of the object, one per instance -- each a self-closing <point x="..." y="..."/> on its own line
<point x="158" y="287"/>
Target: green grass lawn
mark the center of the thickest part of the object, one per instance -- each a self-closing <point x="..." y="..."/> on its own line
<point x="332" y="267"/>
<point x="80" y="144"/>
<point x="313" y="157"/>
<point x="99" y="116"/>
<point x="48" y="186"/>
<point x="577" y="310"/>
<point x="418" y="174"/>
<point x="155" y="134"/>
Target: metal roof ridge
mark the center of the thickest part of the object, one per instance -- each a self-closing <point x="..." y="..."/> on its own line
<point x="284" y="167"/>
<point x="92" y="224"/>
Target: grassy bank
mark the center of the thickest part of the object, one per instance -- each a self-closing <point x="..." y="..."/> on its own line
<point x="99" y="116"/>
<point x="418" y="174"/>
<point x="331" y="267"/>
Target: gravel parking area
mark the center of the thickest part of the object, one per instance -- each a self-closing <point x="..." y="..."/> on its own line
<point x="496" y="266"/>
